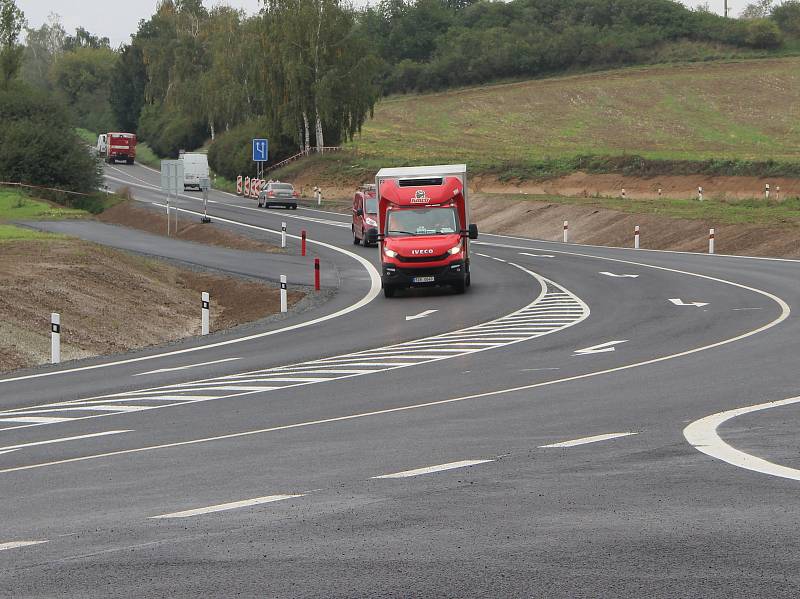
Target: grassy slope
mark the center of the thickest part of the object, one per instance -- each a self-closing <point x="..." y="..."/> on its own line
<point x="16" y="205"/>
<point x="745" y="110"/>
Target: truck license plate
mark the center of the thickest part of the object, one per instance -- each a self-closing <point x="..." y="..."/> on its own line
<point x="423" y="279"/>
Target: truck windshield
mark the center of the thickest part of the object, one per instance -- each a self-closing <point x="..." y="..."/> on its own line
<point x="421" y="221"/>
<point x="371" y="206"/>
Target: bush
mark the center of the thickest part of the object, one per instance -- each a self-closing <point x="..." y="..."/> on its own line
<point x="231" y="153"/>
<point x="39" y="143"/>
<point x="787" y="17"/>
<point x="763" y="34"/>
<point x="167" y="131"/>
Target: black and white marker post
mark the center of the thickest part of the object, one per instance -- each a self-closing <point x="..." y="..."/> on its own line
<point x="284" y="301"/>
<point x="283" y="235"/>
<point x="55" y="338"/>
<point x="566" y="231"/>
<point x="206" y="305"/>
<point x="205" y="185"/>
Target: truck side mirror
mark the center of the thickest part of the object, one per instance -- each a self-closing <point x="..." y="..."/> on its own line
<point x="473" y="231"/>
<point x="359" y="212"/>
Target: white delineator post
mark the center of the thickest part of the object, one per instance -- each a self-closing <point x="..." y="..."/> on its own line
<point x="205" y="303"/>
<point x="711" y="241"/>
<point x="636" y="237"/>
<point x="766" y="191"/>
<point x="283" y="235"/>
<point x="55" y="338"/>
<point x="623" y="193"/>
<point x="700" y="193"/>
<point x="659" y="192"/>
<point x="778" y="192"/>
<point x="566" y="231"/>
<point x="284" y="302"/>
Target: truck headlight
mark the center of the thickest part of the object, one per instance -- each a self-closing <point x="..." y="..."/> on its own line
<point x="454" y="250"/>
<point x="390" y="253"/>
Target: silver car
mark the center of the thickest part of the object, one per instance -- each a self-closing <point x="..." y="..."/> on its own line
<point x="278" y="194"/>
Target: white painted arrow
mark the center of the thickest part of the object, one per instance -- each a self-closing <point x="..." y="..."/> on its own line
<point x="421" y="314"/>
<point x="536" y="255"/>
<point x="680" y="302"/>
<point x="611" y="274"/>
<point x="599" y="349"/>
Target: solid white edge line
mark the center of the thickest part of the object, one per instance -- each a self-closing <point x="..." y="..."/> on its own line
<point x="432" y="469"/>
<point x="18" y="544"/>
<point x="702" y="435"/>
<point x="586" y="440"/>
<point x="222" y="507"/>
<point x="785" y="311"/>
<point x="374" y="290"/>
<point x="62" y="440"/>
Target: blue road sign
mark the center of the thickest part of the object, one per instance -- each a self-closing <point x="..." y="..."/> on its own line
<point x="260" y="150"/>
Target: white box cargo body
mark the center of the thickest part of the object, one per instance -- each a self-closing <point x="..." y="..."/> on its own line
<point x="195" y="168"/>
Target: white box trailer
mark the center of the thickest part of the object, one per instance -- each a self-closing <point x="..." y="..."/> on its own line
<point x="195" y="169"/>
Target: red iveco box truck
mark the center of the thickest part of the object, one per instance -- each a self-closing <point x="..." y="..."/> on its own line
<point x="423" y="227"/>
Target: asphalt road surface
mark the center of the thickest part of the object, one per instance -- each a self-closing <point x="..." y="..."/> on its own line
<point x="584" y="422"/>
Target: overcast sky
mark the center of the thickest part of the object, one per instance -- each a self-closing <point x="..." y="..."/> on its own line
<point x="118" y="20"/>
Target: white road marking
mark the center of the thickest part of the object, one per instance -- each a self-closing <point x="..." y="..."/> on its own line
<point x="784" y="314"/>
<point x="372" y="293"/>
<point x="600" y="348"/>
<point x="680" y="302"/>
<point x="160" y="370"/>
<point x="62" y="440"/>
<point x="7" y="450"/>
<point x="535" y="369"/>
<point x="737" y="309"/>
<point x="222" y="507"/>
<point x="702" y="435"/>
<point x="536" y="255"/>
<point x="431" y="469"/>
<point x="585" y="440"/>
<point x="35" y="419"/>
<point x="17" y="544"/>
<point x="421" y="315"/>
<point x="611" y="274"/>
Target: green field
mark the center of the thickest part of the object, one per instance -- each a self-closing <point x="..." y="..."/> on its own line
<point x="17" y="205"/>
<point x="739" y="111"/>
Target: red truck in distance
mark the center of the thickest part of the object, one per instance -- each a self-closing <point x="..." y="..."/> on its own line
<point x="424" y="230"/>
<point x="115" y="147"/>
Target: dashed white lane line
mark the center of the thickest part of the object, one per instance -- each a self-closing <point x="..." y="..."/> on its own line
<point x="18" y="544"/>
<point x="62" y="440"/>
<point x="431" y="469"/>
<point x="702" y="434"/>
<point x="186" y="367"/>
<point x="585" y="440"/>
<point x="222" y="507"/>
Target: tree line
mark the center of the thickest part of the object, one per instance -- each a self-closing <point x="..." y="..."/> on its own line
<point x="307" y="73"/>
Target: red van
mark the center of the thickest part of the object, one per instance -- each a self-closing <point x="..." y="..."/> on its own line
<point x="365" y="215"/>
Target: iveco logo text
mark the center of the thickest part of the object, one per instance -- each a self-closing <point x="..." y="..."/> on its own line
<point x="421" y="251"/>
<point x="419" y="197"/>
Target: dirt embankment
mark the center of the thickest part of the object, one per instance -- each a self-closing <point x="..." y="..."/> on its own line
<point x="110" y="301"/>
<point x="672" y="186"/>
<point x="128" y="214"/>
<point x="599" y="226"/>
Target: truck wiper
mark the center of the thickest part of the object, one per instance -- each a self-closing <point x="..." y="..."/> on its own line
<point x="403" y="232"/>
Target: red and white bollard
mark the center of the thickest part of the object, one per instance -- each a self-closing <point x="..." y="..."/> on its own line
<point x="247" y="187"/>
<point x="316" y="274"/>
<point x="566" y="231"/>
<point x="711" y="241"/>
<point x="239" y="185"/>
<point x="636" y="237"/>
<point x="303" y="242"/>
